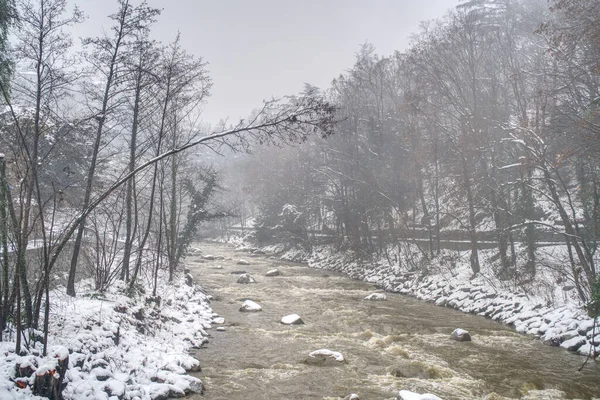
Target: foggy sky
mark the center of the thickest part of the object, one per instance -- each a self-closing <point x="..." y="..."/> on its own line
<point x="257" y="49"/>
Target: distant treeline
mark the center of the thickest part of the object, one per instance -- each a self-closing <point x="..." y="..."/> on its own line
<point x="490" y="121"/>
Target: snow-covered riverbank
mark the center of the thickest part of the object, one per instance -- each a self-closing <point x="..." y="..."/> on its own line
<point x="566" y="325"/>
<point x="118" y="346"/>
<point x="561" y="323"/>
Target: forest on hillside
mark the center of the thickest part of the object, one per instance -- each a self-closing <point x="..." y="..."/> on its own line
<point x="487" y="128"/>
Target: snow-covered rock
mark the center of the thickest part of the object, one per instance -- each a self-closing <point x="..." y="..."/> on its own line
<point x="220" y="329"/>
<point x="245" y="279"/>
<point x="243" y="262"/>
<point x="460" y="335"/>
<point x="114" y="387"/>
<point x="324" y="357"/>
<point x="250" y="306"/>
<point x="587" y="349"/>
<point x="108" y="347"/>
<point x="573" y="344"/>
<point x="101" y="374"/>
<point x="219" y="320"/>
<point x="586" y="326"/>
<point x="406" y="395"/>
<point x="292" y="319"/>
<point x="376" y="296"/>
<point x="273" y="272"/>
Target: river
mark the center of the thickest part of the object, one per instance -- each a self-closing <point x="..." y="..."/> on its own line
<point x="400" y="343"/>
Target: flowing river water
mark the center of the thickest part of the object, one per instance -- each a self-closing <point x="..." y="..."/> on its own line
<point x="400" y="343"/>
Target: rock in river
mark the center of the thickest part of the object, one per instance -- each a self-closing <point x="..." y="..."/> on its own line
<point x="243" y="262"/>
<point x="246" y="278"/>
<point x="460" y="335"/>
<point x="406" y="395"/>
<point x="273" y="272"/>
<point x="376" y="296"/>
<point x="324" y="357"/>
<point x="292" y="319"/>
<point x="250" y="306"/>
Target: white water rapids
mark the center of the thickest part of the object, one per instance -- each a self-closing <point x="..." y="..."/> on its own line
<point x="400" y="343"/>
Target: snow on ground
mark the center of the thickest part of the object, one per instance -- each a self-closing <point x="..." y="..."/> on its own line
<point x="119" y="347"/>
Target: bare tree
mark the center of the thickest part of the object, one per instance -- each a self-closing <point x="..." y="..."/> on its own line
<point x="41" y="47"/>
<point x="107" y="58"/>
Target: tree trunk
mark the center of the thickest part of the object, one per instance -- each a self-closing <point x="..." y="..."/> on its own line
<point x="173" y="219"/>
<point x="167" y="99"/>
<point x="130" y="226"/>
<point x="49" y="384"/>
<point x="569" y="227"/>
<point x="4" y="303"/>
<point x="92" y="168"/>
<point x="474" y="259"/>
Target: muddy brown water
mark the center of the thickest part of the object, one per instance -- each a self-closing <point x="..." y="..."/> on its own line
<point x="400" y="343"/>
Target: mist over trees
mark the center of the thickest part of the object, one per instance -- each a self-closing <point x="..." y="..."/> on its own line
<point x="486" y="129"/>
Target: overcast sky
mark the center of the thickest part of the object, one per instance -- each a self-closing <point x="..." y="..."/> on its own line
<point x="258" y="49"/>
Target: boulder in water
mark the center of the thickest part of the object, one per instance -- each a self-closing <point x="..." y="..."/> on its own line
<point x="273" y="272"/>
<point x="250" y="306"/>
<point x="460" y="335"/>
<point x="243" y="262"/>
<point x="292" y="319"/>
<point x="195" y="387"/>
<point x="352" y="396"/>
<point x="324" y="357"/>
<point x="246" y="278"/>
<point x="406" y="395"/>
<point x="376" y="296"/>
